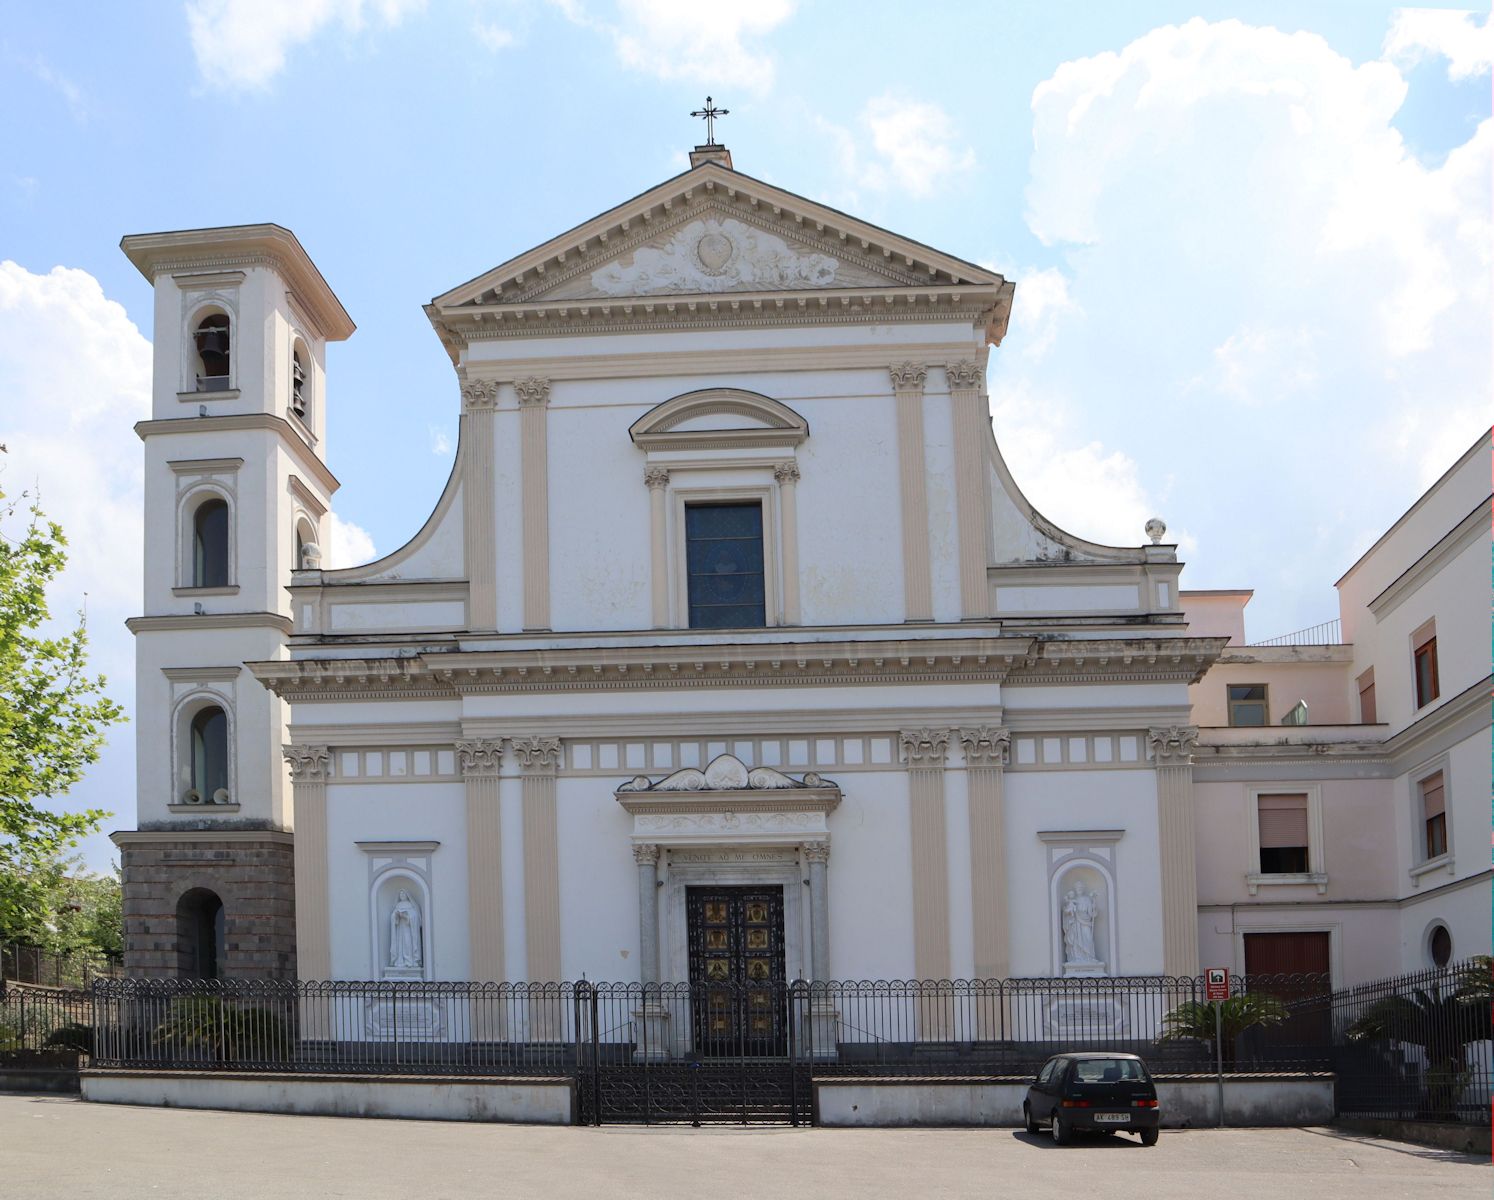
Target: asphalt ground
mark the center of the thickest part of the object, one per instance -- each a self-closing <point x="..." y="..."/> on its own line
<point x="53" y="1146"/>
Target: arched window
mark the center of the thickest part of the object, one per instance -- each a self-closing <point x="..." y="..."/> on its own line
<point x="210" y="544"/>
<point x="210" y="755"/>
<point x="212" y="338"/>
<point x="308" y="553"/>
<point x="300" y="388"/>
<point x="199" y="935"/>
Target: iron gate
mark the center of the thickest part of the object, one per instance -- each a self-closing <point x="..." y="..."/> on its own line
<point x="650" y="1055"/>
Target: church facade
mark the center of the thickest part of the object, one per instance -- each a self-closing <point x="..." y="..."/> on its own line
<point x="732" y="650"/>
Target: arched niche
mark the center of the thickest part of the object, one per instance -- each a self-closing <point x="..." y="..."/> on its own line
<point x="385" y="893"/>
<point x="200" y="945"/>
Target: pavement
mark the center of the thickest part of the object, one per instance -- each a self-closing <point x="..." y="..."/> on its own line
<point x="54" y="1146"/>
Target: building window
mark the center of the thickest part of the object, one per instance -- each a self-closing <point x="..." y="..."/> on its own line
<point x="1283" y="830"/>
<point x="210" y="544"/>
<point x="299" y="388"/>
<point x="212" y="338"/>
<point x="724" y="563"/>
<point x="1439" y="945"/>
<point x="1247" y="703"/>
<point x="210" y="756"/>
<point x="199" y="935"/>
<point x="1433" y="816"/>
<point x="1424" y="665"/>
<point x="1367" y="697"/>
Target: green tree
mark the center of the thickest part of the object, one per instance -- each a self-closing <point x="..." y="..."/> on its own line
<point x="1194" y="1019"/>
<point x="53" y="717"/>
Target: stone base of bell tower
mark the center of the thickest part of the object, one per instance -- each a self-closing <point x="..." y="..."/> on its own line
<point x="175" y="881"/>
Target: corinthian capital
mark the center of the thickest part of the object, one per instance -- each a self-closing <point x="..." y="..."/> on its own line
<point x="479" y="756"/>
<point x="786" y="472"/>
<point x="986" y="746"/>
<point x="479" y="394"/>
<point x="656" y="478"/>
<point x="308" y="764"/>
<point x="1173" y="746"/>
<point x="537" y="753"/>
<point x="532" y="391"/>
<point x="817" y="852"/>
<point x="964" y="376"/>
<point x="908" y="376"/>
<point x="645" y="854"/>
<point x="925" y="747"/>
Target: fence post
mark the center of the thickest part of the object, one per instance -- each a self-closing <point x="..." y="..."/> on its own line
<point x="1219" y="1054"/>
<point x="793" y="1019"/>
<point x="596" y="1058"/>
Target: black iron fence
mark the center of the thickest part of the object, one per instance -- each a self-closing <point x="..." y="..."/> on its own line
<point x="30" y="964"/>
<point x="44" y="1018"/>
<point x="1417" y="1046"/>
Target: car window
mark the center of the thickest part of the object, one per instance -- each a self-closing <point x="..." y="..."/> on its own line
<point x="1108" y="1070"/>
<point x="1045" y="1076"/>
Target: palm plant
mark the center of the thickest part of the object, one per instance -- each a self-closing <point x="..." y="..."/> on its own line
<point x="1195" y="1019"/>
<point x="208" y="1027"/>
<point x="1443" y="1025"/>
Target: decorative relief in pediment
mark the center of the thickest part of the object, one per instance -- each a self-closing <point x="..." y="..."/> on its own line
<point x="715" y="254"/>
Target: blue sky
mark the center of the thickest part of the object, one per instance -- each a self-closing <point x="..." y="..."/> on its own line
<point x="1251" y="241"/>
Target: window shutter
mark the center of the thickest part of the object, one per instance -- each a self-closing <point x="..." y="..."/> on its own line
<point x="1283" y="821"/>
<point x="1433" y="802"/>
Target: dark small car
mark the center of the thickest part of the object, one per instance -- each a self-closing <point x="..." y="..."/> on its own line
<point x="1093" y="1091"/>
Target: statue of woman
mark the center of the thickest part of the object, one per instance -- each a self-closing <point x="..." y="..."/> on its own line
<point x="1080" y="908"/>
<point x="404" y="932"/>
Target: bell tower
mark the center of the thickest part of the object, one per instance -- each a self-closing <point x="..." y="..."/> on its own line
<point x="237" y="496"/>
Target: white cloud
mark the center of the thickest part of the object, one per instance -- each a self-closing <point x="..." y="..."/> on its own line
<point x="712" y="44"/>
<point x="1420" y="33"/>
<point x="494" y="37"/>
<point x="43" y="71"/>
<point x="1273" y="290"/>
<point x="243" y="43"/>
<point x="899" y="143"/>
<point x="1040" y="308"/>
<point x="440" y="442"/>
<point x="349" y="544"/>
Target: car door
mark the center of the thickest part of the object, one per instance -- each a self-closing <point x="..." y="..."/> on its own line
<point x="1039" y="1099"/>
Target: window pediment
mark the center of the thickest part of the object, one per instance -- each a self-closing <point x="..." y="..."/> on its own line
<point x="717" y="419"/>
<point x="729" y="786"/>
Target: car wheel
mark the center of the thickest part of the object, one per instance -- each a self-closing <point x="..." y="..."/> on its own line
<point x="1062" y="1134"/>
<point x="1149" y="1136"/>
<point x="1032" y="1126"/>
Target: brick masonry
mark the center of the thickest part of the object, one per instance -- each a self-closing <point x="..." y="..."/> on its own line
<point x="254" y="877"/>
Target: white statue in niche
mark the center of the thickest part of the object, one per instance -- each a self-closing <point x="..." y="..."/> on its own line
<point x="404" y="933"/>
<point x="1081" y="907"/>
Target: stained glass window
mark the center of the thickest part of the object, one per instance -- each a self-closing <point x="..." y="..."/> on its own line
<point x="724" y="557"/>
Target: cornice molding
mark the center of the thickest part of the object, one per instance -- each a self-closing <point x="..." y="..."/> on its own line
<point x="1472" y="528"/>
<point x="178" y="622"/>
<point x="1119" y="660"/>
<point x="304" y="455"/>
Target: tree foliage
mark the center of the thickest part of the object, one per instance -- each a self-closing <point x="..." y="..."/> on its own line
<point x="53" y="717"/>
<point x="1196" y="1019"/>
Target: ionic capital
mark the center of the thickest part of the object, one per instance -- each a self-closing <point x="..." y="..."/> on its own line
<point x="308" y="764"/>
<point x="537" y="754"/>
<point x="1173" y="746"/>
<point x="986" y="746"/>
<point x="479" y="757"/>
<point x="925" y="747"/>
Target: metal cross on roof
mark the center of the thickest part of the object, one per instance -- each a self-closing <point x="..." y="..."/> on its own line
<point x="710" y="113"/>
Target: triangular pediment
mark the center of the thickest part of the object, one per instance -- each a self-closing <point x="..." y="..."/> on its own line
<point x="714" y="231"/>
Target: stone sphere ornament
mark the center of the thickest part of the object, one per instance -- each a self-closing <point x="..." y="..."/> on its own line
<point x="1155" y="529"/>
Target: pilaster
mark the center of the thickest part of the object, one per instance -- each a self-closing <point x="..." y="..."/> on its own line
<point x="972" y="423"/>
<point x="308" y="767"/>
<point x="534" y="409"/>
<point x="479" y="521"/>
<point x="1172" y="755"/>
<point x="657" y="481"/>
<point x="918" y="589"/>
<point x="539" y="758"/>
<point x="787" y="476"/>
<point x="480" y="762"/>
<point x="924" y="752"/>
<point x="987" y="752"/>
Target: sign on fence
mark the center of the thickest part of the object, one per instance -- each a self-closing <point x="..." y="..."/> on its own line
<point x="1216" y="983"/>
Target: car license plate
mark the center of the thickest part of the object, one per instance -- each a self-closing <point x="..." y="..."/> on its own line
<point x="1112" y="1118"/>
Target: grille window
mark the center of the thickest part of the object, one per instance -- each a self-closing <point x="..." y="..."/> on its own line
<point x="724" y="555"/>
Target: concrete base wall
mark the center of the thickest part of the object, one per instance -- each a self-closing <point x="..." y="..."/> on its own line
<point x="430" y="1098"/>
<point x="1184" y="1102"/>
<point x="1471" y="1139"/>
<point x="37" y="1079"/>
